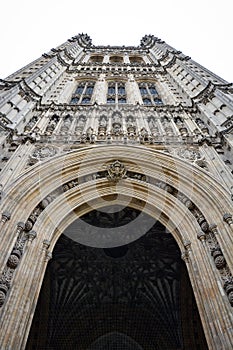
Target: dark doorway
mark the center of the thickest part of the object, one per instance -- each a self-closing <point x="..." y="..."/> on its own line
<point x="136" y="296"/>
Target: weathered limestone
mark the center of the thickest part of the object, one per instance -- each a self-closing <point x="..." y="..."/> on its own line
<point x="84" y="126"/>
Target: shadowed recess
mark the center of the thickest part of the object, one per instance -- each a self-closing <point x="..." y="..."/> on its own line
<point x="136" y="296"/>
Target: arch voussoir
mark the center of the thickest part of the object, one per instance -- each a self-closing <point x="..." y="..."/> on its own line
<point x="184" y="198"/>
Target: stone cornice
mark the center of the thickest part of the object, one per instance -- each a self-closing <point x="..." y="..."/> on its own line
<point x="62" y="62"/>
<point x="226" y="88"/>
<point x="164" y="56"/>
<point x="170" y="63"/>
<point x="83" y="40"/>
<point x="66" y="52"/>
<point x="28" y="91"/>
<point x="123" y="48"/>
<point x="127" y="107"/>
<point x="49" y="55"/>
<point x="209" y="90"/>
<point x="7" y="83"/>
<point x="113" y="64"/>
<point x="4" y="121"/>
<point x="177" y="55"/>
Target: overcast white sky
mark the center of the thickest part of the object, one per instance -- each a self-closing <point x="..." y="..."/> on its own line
<point x="201" y="29"/>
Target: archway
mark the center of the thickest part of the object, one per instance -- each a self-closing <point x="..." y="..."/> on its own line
<point x="136" y="296"/>
<point x="178" y="194"/>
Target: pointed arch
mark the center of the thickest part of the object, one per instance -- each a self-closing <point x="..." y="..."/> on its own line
<point x="162" y="177"/>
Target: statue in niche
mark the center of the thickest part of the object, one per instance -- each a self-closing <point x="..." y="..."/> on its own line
<point x="81" y="121"/>
<point x="202" y="126"/>
<point x="102" y="127"/>
<point x="52" y="124"/>
<point x="31" y="124"/>
<point x="178" y="121"/>
<point x="167" y="126"/>
<point x="153" y="126"/>
<point x="90" y="136"/>
<point x="117" y="129"/>
<point x="103" y="122"/>
<point x="130" y="121"/>
<point x="143" y="135"/>
<point x="116" y="124"/>
<point x="181" y="126"/>
<point x="80" y="126"/>
<point x="116" y="118"/>
<point x="131" y="128"/>
<point x="66" y="124"/>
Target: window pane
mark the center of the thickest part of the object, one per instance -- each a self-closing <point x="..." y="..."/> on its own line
<point x="158" y="101"/>
<point x="147" y="101"/>
<point x="86" y="100"/>
<point x="121" y="90"/>
<point x="116" y="59"/>
<point x="89" y="90"/>
<point x="110" y="100"/>
<point x="121" y="100"/>
<point x="97" y="59"/>
<point x="74" y="101"/>
<point x="143" y="90"/>
<point x="79" y="90"/>
<point x="153" y="91"/>
<point x="111" y="90"/>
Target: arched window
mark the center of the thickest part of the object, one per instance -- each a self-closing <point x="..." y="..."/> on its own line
<point x="79" y="90"/>
<point x="147" y="101"/>
<point x="111" y="90"/>
<point x="158" y="101"/>
<point x="116" y="92"/>
<point x="121" y="90"/>
<point x="136" y="59"/>
<point x="89" y="90"/>
<point x="153" y="91"/>
<point x="143" y="91"/>
<point x="86" y="100"/>
<point x="116" y="59"/>
<point x="149" y="94"/>
<point x="83" y="93"/>
<point x="74" y="100"/>
<point x="110" y="100"/>
<point x="96" y="59"/>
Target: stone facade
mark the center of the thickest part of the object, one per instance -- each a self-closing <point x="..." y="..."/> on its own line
<point x="84" y="123"/>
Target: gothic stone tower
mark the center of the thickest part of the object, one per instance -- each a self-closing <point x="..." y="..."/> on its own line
<point x="145" y="129"/>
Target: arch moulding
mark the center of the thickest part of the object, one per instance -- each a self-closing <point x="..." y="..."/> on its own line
<point x="185" y="198"/>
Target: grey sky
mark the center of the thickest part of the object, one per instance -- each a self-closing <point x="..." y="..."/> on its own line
<point x="201" y="29"/>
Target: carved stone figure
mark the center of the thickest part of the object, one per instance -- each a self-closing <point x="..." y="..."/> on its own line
<point x="158" y="142"/>
<point x="116" y="171"/>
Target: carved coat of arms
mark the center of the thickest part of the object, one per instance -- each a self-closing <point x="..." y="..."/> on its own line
<point x="116" y="171"/>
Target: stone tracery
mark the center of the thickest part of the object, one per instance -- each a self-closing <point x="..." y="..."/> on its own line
<point x="170" y="156"/>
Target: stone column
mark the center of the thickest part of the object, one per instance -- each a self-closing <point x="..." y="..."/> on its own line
<point x="17" y="314"/>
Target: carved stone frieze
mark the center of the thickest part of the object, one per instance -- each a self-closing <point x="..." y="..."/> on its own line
<point x="209" y="236"/>
<point x="14" y="260"/>
<point x="190" y="154"/>
<point x="42" y="152"/>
